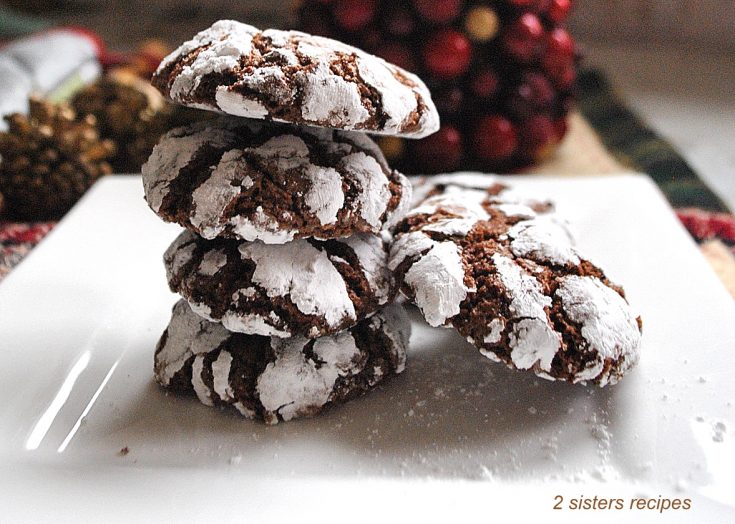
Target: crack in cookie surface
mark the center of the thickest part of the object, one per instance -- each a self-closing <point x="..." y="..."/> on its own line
<point x="273" y="379"/>
<point x="255" y="181"/>
<point x="306" y="287"/>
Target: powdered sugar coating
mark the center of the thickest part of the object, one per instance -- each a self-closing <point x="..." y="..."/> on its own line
<point x="262" y="324"/>
<point x="221" y="373"/>
<point x="259" y="226"/>
<point x="197" y="381"/>
<point x="533" y="341"/>
<point x="329" y="99"/>
<point x="264" y="182"/>
<point x="375" y="193"/>
<point x="505" y="273"/>
<point x="288" y="76"/>
<point x="237" y="105"/>
<point x="325" y="196"/>
<point x="212" y="262"/>
<point x="436" y="278"/>
<point x="495" y="331"/>
<point x="542" y="239"/>
<point x="217" y="191"/>
<point x="303" y="273"/>
<point x="607" y="325"/>
<point x="179" y="346"/>
<point x="370" y="252"/>
<point x="308" y="288"/>
<point x="221" y="48"/>
<point x="295" y="384"/>
<point x="166" y="162"/>
<point x="279" y="379"/>
<point x="179" y="254"/>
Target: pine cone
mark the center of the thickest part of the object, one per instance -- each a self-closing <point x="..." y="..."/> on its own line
<point x="133" y="114"/>
<point x="130" y="112"/>
<point x="48" y="159"/>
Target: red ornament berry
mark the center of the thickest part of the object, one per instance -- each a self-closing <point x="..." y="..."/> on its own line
<point x="399" y="22"/>
<point x="559" y="49"/>
<point x="522" y="39"/>
<point x="537" y="90"/>
<point x="561" y="126"/>
<point x="442" y="151"/>
<point x="485" y="83"/>
<point x="449" y="102"/>
<point x="538" y="133"/>
<point x="448" y="54"/>
<point x="558" y="11"/>
<point x="371" y="40"/>
<point x="354" y="14"/>
<point x="697" y="222"/>
<point x="563" y="77"/>
<point x="397" y="54"/>
<point x="439" y="11"/>
<point x="519" y="107"/>
<point x="534" y="92"/>
<point x="494" y="139"/>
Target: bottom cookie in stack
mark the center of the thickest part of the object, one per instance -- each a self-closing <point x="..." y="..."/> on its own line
<point x="274" y="379"/>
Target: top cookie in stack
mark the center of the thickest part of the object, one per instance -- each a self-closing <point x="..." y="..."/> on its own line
<point x="286" y="208"/>
<point x="292" y="77"/>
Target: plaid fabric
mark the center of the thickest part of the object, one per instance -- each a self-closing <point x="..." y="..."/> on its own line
<point x="16" y="241"/>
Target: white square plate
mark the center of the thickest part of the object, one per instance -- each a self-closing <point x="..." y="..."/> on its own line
<point x="454" y="436"/>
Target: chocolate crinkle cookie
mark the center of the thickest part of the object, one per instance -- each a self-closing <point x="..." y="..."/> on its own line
<point x="274" y="379"/>
<point x="294" y="77"/>
<point x="252" y="180"/>
<point x="503" y="271"/>
<point x="306" y="287"/>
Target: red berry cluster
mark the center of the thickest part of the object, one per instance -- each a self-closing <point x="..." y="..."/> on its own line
<point x="502" y="72"/>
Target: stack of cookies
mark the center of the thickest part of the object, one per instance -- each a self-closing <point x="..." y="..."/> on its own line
<point x="287" y="270"/>
<point x="283" y="267"/>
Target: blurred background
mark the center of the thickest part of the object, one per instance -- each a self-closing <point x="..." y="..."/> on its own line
<point x="687" y="24"/>
<point x="673" y="61"/>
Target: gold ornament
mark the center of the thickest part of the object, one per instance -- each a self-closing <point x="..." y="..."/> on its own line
<point x="392" y="147"/>
<point x="482" y="24"/>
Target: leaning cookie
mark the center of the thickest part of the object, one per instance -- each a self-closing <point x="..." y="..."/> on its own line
<point x="275" y="379"/>
<point x="306" y="287"/>
<point x="239" y="178"/>
<point x="509" y="279"/>
<point x="297" y="78"/>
